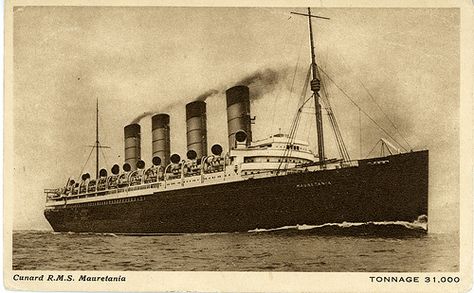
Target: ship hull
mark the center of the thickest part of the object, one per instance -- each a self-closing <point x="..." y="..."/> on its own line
<point x="392" y="188"/>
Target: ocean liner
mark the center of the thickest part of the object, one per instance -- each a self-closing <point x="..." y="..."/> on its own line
<point x="254" y="184"/>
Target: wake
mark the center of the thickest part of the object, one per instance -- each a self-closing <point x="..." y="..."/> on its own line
<point x="386" y="228"/>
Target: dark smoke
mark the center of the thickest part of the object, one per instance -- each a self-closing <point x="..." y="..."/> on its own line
<point x="266" y="76"/>
<point x="141" y="116"/>
<point x="206" y="95"/>
<point x="202" y="97"/>
<point x="263" y="81"/>
<point x="260" y="82"/>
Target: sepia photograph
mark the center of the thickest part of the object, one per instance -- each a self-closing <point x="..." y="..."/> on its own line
<point x="176" y="138"/>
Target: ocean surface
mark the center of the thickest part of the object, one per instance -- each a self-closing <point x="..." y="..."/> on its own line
<point x="380" y="247"/>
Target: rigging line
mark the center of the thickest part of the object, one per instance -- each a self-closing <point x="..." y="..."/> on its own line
<point x="292" y="82"/>
<point x="375" y="102"/>
<point x="294" y="77"/>
<point x="328" y="111"/>
<point x="386" y="116"/>
<point x="308" y="99"/>
<point x="293" y="137"/>
<point x="306" y="130"/>
<point x="296" y="120"/>
<point x="325" y="100"/>
<point x="92" y="150"/>
<point x="328" y="108"/>
<point x="372" y="149"/>
<point x="103" y="134"/>
<point x="339" y="140"/>
<point x="336" y="139"/>
<point x="298" y="113"/>
<point x="105" y="159"/>
<point x="365" y="113"/>
<point x="278" y="96"/>
<point x="287" y="151"/>
<point x="306" y="123"/>
<point x="309" y="130"/>
<point x="305" y="89"/>
<point x="337" y="132"/>
<point x="342" y="150"/>
<point x="303" y="92"/>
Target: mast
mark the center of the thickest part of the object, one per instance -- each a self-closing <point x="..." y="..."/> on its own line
<point x="97" y="145"/>
<point x="97" y="139"/>
<point x="315" y="87"/>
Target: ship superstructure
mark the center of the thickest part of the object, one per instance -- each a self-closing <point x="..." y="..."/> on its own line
<point x="276" y="155"/>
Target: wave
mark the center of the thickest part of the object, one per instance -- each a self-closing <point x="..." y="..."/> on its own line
<point x="386" y="228"/>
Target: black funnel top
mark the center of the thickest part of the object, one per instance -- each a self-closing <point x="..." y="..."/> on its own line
<point x="160" y="121"/>
<point x="237" y="94"/>
<point x="131" y="130"/>
<point x="195" y="109"/>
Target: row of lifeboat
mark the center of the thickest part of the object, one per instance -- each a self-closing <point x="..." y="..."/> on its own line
<point x="177" y="168"/>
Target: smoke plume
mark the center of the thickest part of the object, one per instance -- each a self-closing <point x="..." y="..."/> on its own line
<point x="206" y="95"/>
<point x="202" y="97"/>
<point x="260" y="82"/>
<point x="263" y="81"/>
<point x="141" y="116"/>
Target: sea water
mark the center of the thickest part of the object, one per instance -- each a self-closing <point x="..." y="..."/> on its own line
<point x="374" y="247"/>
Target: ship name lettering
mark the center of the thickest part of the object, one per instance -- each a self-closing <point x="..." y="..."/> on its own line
<point x="378" y="162"/>
<point x="87" y="278"/>
<point x="311" y="184"/>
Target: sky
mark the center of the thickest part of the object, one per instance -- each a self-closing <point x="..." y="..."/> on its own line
<point x="140" y="60"/>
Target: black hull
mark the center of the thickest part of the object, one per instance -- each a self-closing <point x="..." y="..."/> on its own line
<point x="376" y="190"/>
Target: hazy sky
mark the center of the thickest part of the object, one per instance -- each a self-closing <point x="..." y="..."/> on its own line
<point x="137" y="60"/>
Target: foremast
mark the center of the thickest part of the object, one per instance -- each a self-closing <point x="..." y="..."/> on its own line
<point x="97" y="145"/>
